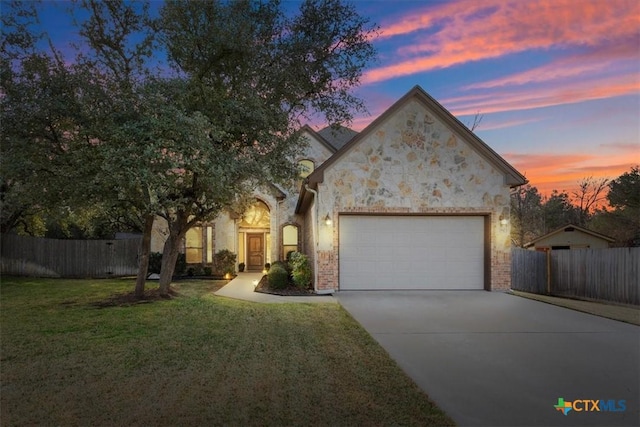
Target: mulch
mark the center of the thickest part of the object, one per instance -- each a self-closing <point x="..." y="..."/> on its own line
<point x="290" y="291"/>
<point x="129" y="298"/>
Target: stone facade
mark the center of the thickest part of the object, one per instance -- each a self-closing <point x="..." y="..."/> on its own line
<point x="412" y="162"/>
<point x="415" y="159"/>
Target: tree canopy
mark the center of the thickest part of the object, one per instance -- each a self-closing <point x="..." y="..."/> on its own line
<point x="180" y="142"/>
<point x="533" y="215"/>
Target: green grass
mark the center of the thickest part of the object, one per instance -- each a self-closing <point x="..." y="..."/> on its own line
<point x="196" y="359"/>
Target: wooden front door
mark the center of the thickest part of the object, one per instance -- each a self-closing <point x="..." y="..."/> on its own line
<point x="255" y="251"/>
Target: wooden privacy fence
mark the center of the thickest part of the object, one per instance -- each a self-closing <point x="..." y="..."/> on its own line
<point x="600" y="274"/>
<point x="33" y="256"/>
<point x="529" y="271"/>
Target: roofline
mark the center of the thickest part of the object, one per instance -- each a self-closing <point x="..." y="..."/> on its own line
<point x="316" y="135"/>
<point x="560" y="229"/>
<point x="514" y="178"/>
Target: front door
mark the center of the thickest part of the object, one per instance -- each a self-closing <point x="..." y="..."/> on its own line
<point x="255" y="255"/>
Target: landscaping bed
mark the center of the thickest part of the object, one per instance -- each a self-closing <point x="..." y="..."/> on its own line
<point x="263" y="287"/>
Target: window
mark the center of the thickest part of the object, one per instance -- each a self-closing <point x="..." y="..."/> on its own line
<point x="193" y="245"/>
<point x="305" y="166"/>
<point x="289" y="239"/>
<point x="256" y="216"/>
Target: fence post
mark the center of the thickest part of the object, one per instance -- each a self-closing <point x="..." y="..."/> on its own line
<point x="548" y="253"/>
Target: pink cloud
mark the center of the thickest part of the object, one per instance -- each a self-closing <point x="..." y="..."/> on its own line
<point x="467" y="31"/>
<point x="562" y="172"/>
<point x="561" y="93"/>
<point x="574" y="66"/>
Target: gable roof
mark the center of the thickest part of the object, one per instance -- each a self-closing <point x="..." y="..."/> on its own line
<point x="564" y="228"/>
<point x="319" y="137"/>
<point x="512" y="176"/>
<point x="337" y="135"/>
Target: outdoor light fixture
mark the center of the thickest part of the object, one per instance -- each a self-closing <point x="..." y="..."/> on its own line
<point x="503" y="221"/>
<point x="327" y="219"/>
<point x="255" y="283"/>
<point x="227" y="276"/>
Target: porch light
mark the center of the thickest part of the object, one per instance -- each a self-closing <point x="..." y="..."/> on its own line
<point x="503" y="221"/>
<point x="327" y="220"/>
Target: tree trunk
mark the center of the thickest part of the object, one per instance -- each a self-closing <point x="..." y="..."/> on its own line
<point x="143" y="254"/>
<point x="170" y="251"/>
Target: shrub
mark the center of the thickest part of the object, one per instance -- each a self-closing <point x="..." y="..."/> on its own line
<point x="300" y="270"/>
<point x="224" y="262"/>
<point x="155" y="263"/>
<point x="195" y="270"/>
<point x="207" y="271"/>
<point x="278" y="277"/>
<point x="181" y="264"/>
<point x="241" y="267"/>
<point x="267" y="266"/>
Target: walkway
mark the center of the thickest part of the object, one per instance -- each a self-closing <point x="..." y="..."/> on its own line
<point x="243" y="285"/>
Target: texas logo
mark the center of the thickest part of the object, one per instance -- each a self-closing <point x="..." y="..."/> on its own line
<point x="590" y="405"/>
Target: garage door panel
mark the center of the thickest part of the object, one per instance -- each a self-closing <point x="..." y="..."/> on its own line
<point x="395" y="252"/>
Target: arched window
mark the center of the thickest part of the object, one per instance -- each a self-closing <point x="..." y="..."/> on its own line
<point x="306" y="166"/>
<point x="256" y="216"/>
<point x="289" y="240"/>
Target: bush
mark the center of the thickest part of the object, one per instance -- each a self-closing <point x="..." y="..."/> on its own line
<point x="300" y="270"/>
<point x="194" y="270"/>
<point x="267" y="266"/>
<point x="224" y="262"/>
<point x="155" y="263"/>
<point x="181" y="264"/>
<point x="207" y="271"/>
<point x="278" y="277"/>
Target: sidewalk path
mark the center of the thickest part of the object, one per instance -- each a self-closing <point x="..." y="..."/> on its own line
<point x="242" y="287"/>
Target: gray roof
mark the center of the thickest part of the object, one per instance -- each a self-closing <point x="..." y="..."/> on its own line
<point x="337" y="136"/>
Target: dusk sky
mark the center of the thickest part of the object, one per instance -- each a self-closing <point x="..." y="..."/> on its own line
<point x="557" y="81"/>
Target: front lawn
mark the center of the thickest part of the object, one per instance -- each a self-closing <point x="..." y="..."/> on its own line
<point x="197" y="359"/>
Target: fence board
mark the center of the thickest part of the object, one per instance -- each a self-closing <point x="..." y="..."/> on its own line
<point x="32" y="256"/>
<point x="601" y="274"/>
<point x="528" y="271"/>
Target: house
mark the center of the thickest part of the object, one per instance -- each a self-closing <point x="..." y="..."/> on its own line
<point x="570" y="237"/>
<point x="414" y="201"/>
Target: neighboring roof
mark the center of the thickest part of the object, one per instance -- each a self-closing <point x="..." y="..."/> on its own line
<point x="513" y="177"/>
<point x="565" y="227"/>
<point x="337" y="135"/>
<point x="319" y="137"/>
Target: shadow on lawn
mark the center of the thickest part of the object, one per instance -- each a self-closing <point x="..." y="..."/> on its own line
<point x="188" y="289"/>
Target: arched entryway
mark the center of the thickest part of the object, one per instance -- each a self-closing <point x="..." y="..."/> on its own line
<point x="254" y="237"/>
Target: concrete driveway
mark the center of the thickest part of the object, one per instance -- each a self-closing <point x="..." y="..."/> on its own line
<point x="494" y="359"/>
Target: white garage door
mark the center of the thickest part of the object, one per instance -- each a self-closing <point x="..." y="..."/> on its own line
<point x="411" y="252"/>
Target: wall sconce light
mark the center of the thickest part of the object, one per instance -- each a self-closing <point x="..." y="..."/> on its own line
<point x="327" y="220"/>
<point x="503" y="221"/>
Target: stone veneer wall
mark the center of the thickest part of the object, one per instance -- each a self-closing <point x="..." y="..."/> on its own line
<point x="413" y="164"/>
